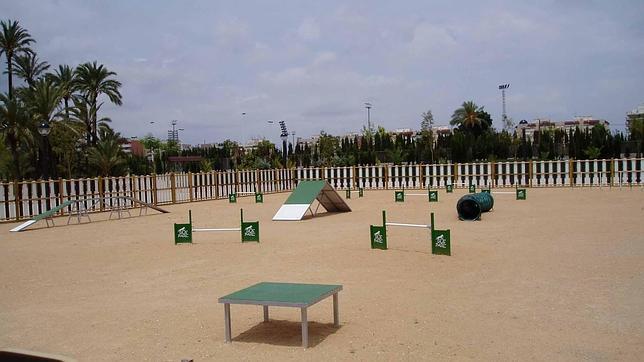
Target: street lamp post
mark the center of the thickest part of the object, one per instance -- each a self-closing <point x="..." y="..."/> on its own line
<point x="44" y="129"/>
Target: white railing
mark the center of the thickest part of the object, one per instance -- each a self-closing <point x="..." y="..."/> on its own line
<point x="25" y="199"/>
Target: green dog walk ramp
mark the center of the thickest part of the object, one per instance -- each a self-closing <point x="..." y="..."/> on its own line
<point x="302" y="198"/>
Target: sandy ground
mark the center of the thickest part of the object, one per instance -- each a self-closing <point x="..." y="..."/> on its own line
<point x="557" y="277"/>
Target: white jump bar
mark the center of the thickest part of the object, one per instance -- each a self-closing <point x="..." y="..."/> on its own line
<point x="416" y="194"/>
<point x="503" y="192"/>
<point x="408" y="225"/>
<point x="222" y="229"/>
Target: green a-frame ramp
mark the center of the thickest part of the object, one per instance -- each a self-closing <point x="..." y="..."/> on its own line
<point x="302" y="198"/>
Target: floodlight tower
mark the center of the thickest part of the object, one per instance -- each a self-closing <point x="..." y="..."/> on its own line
<point x="284" y="137"/>
<point x="502" y="88"/>
<point x="368" y="106"/>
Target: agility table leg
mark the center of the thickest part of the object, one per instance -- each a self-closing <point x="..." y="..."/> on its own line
<point x="265" y="313"/>
<point x="227" y="322"/>
<point x="305" y="329"/>
<point x="336" y="313"/>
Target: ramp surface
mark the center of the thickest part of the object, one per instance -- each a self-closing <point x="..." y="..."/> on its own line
<point x="300" y="200"/>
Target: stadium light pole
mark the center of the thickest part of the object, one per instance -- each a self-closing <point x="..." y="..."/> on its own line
<point x="368" y="106"/>
<point x="284" y="137"/>
<point x="504" y="116"/>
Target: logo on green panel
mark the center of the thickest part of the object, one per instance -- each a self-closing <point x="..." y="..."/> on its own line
<point x="472" y="188"/>
<point x="348" y="194"/>
<point x="360" y="192"/>
<point x="182" y="233"/>
<point x="232" y="198"/>
<point x="259" y="198"/>
<point x="399" y="196"/>
<point x="433" y="196"/>
<point x="521" y="194"/>
<point x="250" y="231"/>
<point x="378" y="237"/>
<point x="441" y="242"/>
<point x="449" y="188"/>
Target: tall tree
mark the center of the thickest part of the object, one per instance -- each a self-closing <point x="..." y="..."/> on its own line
<point x="107" y="156"/>
<point x="94" y="80"/>
<point x="83" y="111"/>
<point x="29" y="68"/>
<point x="466" y="116"/>
<point x="42" y="101"/>
<point x="64" y="79"/>
<point x="471" y="118"/>
<point x="15" y="125"/>
<point x="427" y="134"/>
<point x="14" y="40"/>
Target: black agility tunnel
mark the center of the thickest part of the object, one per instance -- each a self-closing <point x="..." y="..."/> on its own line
<point x="470" y="206"/>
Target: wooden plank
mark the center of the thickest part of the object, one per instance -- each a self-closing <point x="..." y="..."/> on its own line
<point x="146" y="204"/>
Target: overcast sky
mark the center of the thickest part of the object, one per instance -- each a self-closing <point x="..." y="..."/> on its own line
<point x="313" y="64"/>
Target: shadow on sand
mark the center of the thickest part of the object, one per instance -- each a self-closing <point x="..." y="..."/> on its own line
<point x="286" y="333"/>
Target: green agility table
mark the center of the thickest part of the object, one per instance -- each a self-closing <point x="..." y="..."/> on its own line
<point x="282" y="295"/>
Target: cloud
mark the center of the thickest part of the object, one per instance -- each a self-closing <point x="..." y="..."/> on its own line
<point x="431" y="40"/>
<point x="308" y="30"/>
<point x="314" y="64"/>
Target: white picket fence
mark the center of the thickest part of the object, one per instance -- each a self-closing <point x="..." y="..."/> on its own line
<point x="25" y="199"/>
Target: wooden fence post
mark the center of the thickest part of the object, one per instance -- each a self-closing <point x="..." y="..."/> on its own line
<point x="385" y="176"/>
<point x="216" y="185"/>
<point x="455" y="175"/>
<point x="155" y="197"/>
<point x="101" y="193"/>
<point x="173" y="189"/>
<point x="190" y="185"/>
<point x="492" y="173"/>
<point x="16" y="198"/>
<point x="60" y="194"/>
<point x="421" y="174"/>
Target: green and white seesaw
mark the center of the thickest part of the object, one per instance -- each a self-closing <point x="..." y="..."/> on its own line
<point x="259" y="197"/>
<point x="432" y="195"/>
<point x="440" y="238"/>
<point x="249" y="230"/>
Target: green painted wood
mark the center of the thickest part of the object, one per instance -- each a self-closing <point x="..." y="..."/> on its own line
<point x="294" y="293"/>
<point x="51" y="212"/>
<point x="306" y="192"/>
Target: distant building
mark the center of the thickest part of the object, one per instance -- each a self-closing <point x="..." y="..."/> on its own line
<point x="583" y="123"/>
<point x="134" y="147"/>
<point x="635" y="114"/>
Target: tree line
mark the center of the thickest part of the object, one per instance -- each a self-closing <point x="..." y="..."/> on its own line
<point x="50" y="123"/>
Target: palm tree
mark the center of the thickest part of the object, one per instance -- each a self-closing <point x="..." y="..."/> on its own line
<point x="107" y="156"/>
<point x="42" y="100"/>
<point x="93" y="80"/>
<point x="13" y="40"/>
<point x="468" y="116"/>
<point x="64" y="79"/>
<point x="14" y="124"/>
<point x="83" y="111"/>
<point x="29" y="68"/>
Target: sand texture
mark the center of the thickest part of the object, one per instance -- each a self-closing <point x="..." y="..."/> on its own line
<point x="559" y="276"/>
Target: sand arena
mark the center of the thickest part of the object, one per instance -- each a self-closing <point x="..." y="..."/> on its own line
<point x="556" y="277"/>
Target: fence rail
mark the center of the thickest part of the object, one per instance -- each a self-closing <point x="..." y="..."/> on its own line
<point x="25" y="199"/>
